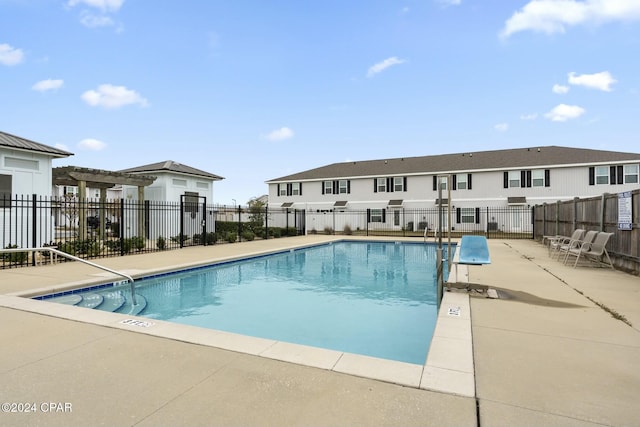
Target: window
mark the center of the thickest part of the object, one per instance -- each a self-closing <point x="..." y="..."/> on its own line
<point x="328" y="187"/>
<point x="602" y="175"/>
<point x="396" y="217"/>
<point x="202" y="185"/>
<point x="538" y="178"/>
<point x="461" y="181"/>
<point x="398" y="183"/>
<point x="179" y="182"/>
<point x="514" y="179"/>
<point x="295" y="189"/>
<point x="631" y="174"/>
<point x="343" y="186"/>
<point x="5" y="191"/>
<point x="376" y="215"/>
<point x="381" y="185"/>
<point x="467" y="215"/>
<point x="282" y="190"/>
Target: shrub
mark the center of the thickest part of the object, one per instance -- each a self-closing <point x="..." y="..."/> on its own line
<point x="231" y="237"/>
<point x="212" y="238"/>
<point x="161" y="243"/>
<point x="313" y="231"/>
<point x="248" y="235"/>
<point x="347" y="230"/>
<point x="328" y="230"/>
<point x="15" y="257"/>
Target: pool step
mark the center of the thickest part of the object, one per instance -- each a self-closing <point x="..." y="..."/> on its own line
<point x="91" y="300"/>
<point x="112" y="301"/>
<point x="128" y="308"/>
<point x="73" y="299"/>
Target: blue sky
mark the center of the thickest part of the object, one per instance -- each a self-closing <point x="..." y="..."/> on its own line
<point x="255" y="90"/>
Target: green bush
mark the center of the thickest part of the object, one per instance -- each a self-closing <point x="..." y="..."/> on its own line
<point x="161" y="243"/>
<point x="212" y="238"/>
<point x="139" y="243"/>
<point x="15" y="257"/>
<point x="248" y="235"/>
<point x="231" y="237"/>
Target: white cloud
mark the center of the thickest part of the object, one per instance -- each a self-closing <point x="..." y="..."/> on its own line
<point x="560" y="89"/>
<point x="532" y="116"/>
<point x="501" y="127"/>
<point x="109" y="96"/>
<point x="554" y="16"/>
<point x="91" y="144"/>
<point x="600" y="81"/>
<point x="10" y="55"/>
<point x="450" y="2"/>
<point x="103" y="5"/>
<point x="49" y="84"/>
<point x="381" y="66"/>
<point x="563" y="112"/>
<point x="280" y="134"/>
<point x="90" y="20"/>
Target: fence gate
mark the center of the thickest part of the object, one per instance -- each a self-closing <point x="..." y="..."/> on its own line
<point x="193" y="219"/>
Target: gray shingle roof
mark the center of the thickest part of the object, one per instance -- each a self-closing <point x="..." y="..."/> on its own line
<point x="171" y="166"/>
<point x="12" y="141"/>
<point x="548" y="156"/>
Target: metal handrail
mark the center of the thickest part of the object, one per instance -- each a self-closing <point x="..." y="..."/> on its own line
<point x="75" y="258"/>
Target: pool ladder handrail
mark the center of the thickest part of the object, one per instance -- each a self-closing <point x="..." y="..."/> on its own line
<point x="84" y="261"/>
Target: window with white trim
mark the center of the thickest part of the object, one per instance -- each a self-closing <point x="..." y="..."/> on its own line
<point x="537" y="178"/>
<point x="343" y="186"/>
<point x="295" y="189"/>
<point x="376" y="215"/>
<point x="602" y="175"/>
<point x="514" y="179"/>
<point x="631" y="174"/>
<point x="398" y="183"/>
<point x="328" y="187"/>
<point x="461" y="181"/>
<point x="381" y="184"/>
<point x="283" y="190"/>
<point x="467" y="215"/>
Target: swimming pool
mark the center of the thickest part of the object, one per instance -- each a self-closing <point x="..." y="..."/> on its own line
<point x="371" y="298"/>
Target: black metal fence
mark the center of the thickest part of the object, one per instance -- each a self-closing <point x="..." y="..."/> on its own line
<point x="595" y="213"/>
<point x="94" y="228"/>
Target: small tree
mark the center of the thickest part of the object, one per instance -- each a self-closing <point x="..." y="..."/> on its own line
<point x="257" y="216"/>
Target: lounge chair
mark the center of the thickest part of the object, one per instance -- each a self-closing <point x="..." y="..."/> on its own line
<point x="563" y="249"/>
<point x="555" y="242"/>
<point x="595" y="251"/>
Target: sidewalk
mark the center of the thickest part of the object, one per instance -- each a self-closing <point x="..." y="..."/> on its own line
<point x="545" y="353"/>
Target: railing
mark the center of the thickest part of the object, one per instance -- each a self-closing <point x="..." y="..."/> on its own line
<point x="84" y="261"/>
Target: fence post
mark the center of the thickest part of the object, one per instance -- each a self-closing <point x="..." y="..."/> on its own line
<point x="34" y="225"/>
<point x="266" y="221"/>
<point x="122" y="216"/>
<point x="603" y="202"/>
<point x="239" y="224"/>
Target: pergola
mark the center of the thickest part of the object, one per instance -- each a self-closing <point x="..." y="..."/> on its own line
<point x="102" y="179"/>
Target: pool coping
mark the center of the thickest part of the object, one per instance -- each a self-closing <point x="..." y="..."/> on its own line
<point x="449" y="366"/>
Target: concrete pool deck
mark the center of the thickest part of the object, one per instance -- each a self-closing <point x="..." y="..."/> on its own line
<point x="548" y="352"/>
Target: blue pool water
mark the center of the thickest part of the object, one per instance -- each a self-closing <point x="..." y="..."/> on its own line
<point x="371" y="298"/>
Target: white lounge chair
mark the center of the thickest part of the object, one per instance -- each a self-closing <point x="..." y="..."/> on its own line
<point x="555" y="242"/>
<point x="563" y="250"/>
<point x="594" y="251"/>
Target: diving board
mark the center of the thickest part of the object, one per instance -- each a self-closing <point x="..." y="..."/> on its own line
<point x="474" y="251"/>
